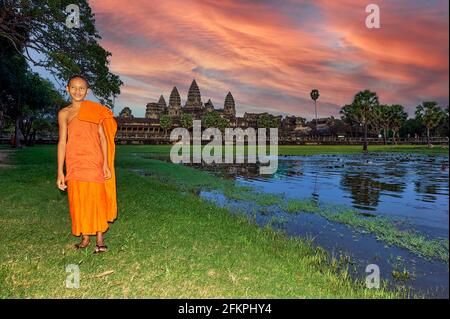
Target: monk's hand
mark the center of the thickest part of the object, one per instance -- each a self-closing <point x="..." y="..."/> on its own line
<point x="106" y="172"/>
<point x="61" y="183"/>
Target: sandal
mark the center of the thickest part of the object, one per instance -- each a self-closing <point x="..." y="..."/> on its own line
<point x="100" y="249"/>
<point x="80" y="246"/>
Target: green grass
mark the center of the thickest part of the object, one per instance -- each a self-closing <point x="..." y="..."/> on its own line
<point x="166" y="243"/>
<point x="314" y="149"/>
<point x="383" y="228"/>
<point x="193" y="180"/>
<point x="297" y="205"/>
<point x="352" y="149"/>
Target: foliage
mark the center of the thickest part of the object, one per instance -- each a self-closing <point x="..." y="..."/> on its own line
<point x="186" y="120"/>
<point x="166" y="122"/>
<point x="38" y="31"/>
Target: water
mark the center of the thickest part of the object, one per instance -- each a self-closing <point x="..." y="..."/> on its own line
<point x="414" y="187"/>
<point x="406" y="187"/>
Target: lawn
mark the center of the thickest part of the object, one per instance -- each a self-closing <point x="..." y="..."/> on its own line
<point x="317" y="149"/>
<point x="166" y="243"/>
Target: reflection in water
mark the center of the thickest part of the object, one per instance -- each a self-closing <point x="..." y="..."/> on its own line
<point x="365" y="188"/>
<point x="362" y="189"/>
<point x="413" y="187"/>
<point x="315" y="193"/>
<point x="405" y="187"/>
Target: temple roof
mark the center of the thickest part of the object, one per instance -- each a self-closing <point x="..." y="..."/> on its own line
<point x="162" y="102"/>
<point x="175" y="100"/>
<point x="194" y="99"/>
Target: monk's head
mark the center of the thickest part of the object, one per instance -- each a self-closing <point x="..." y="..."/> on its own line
<point x="77" y="87"/>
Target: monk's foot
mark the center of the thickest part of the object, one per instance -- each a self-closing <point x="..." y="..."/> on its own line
<point x="100" y="248"/>
<point x="84" y="243"/>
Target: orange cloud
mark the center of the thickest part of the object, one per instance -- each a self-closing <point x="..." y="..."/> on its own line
<point x="270" y="54"/>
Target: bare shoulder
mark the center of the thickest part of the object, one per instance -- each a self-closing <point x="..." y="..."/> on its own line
<point x="63" y="113"/>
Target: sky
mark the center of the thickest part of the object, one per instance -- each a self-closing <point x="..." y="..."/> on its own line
<point x="270" y="54"/>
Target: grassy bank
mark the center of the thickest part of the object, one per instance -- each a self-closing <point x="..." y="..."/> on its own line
<point x="167" y="242"/>
<point x="352" y="149"/>
<point x="194" y="180"/>
<point x="317" y="149"/>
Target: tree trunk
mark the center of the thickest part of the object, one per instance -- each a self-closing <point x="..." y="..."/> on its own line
<point x="315" y="109"/>
<point x="385" y="135"/>
<point x="428" y="137"/>
<point x="365" y="138"/>
<point x="26" y="132"/>
<point x="32" y="138"/>
<point x="17" y="133"/>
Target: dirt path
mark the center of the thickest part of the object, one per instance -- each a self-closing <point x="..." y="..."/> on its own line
<point x="4" y="158"/>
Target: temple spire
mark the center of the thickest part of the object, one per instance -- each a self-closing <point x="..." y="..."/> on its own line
<point x="194" y="99"/>
<point x="174" y="102"/>
<point x="229" y="106"/>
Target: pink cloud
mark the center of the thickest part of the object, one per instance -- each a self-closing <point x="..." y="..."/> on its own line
<point x="270" y="58"/>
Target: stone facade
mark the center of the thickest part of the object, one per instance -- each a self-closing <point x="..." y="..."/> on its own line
<point x="148" y="129"/>
<point x="126" y="113"/>
<point x="193" y="105"/>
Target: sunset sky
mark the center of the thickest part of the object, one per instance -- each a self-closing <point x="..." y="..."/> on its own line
<point x="270" y="54"/>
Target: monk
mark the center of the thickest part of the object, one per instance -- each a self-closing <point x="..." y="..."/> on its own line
<point x="86" y="145"/>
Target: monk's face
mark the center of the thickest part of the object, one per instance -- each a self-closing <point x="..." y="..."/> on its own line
<point x="77" y="89"/>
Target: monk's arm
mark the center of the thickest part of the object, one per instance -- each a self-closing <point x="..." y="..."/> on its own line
<point x="103" y="144"/>
<point x="62" y="123"/>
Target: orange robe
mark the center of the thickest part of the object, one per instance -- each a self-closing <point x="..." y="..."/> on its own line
<point x="92" y="198"/>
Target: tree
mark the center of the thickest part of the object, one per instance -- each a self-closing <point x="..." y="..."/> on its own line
<point x="348" y="116"/>
<point x="443" y="129"/>
<point x="381" y="120"/>
<point x="223" y="124"/>
<point x="13" y="89"/>
<point x="314" y="96"/>
<point x="211" y="119"/>
<point x="362" y="108"/>
<point x="411" y="128"/>
<point x="25" y="97"/>
<point x="267" y="121"/>
<point x="166" y="123"/>
<point x="39" y="27"/>
<point x="397" y="117"/>
<point x="186" y="120"/>
<point x="431" y="115"/>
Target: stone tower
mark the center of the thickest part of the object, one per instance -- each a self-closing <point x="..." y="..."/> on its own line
<point x="209" y="106"/>
<point x="126" y="113"/>
<point x="153" y="111"/>
<point x="174" y="103"/>
<point x="229" y="107"/>
<point x="194" y="99"/>
<point x="162" y="104"/>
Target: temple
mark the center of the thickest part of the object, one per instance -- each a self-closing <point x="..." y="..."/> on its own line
<point x="148" y="130"/>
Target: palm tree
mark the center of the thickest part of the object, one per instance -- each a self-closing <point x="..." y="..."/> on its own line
<point x="430" y="115"/>
<point x="375" y="124"/>
<point x="397" y="117"/>
<point x="385" y="120"/>
<point x="315" y="95"/>
<point x="348" y="116"/>
<point x="364" y="103"/>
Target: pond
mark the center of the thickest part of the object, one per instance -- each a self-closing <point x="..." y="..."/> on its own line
<point x="411" y="190"/>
